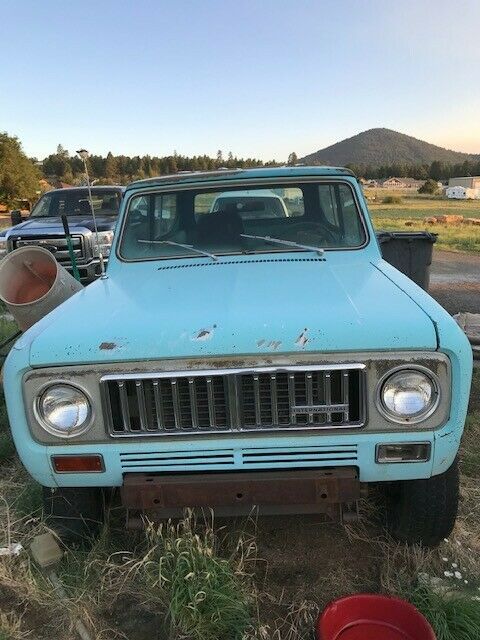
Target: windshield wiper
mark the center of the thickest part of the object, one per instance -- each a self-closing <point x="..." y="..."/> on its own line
<point x="287" y="243"/>
<point x="184" y="246"/>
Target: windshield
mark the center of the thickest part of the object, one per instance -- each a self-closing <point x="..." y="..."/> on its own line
<point x="74" y="202"/>
<point x="312" y="216"/>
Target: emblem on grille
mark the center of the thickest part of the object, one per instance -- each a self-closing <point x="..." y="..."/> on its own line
<point x="306" y="409"/>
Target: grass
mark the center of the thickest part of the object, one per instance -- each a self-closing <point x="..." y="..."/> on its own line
<point x="454" y="617"/>
<point x="406" y="212"/>
<point x="11" y="627"/>
<point x="392" y="200"/>
<point x="457" y="237"/>
<point x="204" y="595"/>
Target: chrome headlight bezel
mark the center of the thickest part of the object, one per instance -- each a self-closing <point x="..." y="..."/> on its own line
<point x="416" y="418"/>
<point x="51" y="428"/>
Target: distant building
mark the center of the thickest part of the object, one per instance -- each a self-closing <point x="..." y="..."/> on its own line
<point x="469" y="182"/>
<point x="369" y="184"/>
<point x="402" y="183"/>
<point x="462" y="193"/>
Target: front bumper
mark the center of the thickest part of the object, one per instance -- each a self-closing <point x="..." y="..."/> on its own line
<point x="299" y="491"/>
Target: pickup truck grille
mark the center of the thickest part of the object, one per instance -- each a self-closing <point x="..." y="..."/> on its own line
<point x="219" y="401"/>
<point x="57" y="245"/>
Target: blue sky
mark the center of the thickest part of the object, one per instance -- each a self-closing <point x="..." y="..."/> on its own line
<point x="256" y="78"/>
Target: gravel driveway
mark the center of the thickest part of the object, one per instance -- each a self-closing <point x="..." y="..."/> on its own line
<point x="455" y="281"/>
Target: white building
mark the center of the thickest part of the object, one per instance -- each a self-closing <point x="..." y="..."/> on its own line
<point x="462" y="193"/>
<point x="469" y="182"/>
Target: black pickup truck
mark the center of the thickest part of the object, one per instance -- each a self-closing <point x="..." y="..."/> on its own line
<point x="43" y="226"/>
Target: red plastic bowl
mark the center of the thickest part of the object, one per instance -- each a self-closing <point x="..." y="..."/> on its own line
<point x="372" y="617"/>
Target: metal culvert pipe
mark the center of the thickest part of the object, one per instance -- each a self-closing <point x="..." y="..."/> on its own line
<point x="33" y="283"/>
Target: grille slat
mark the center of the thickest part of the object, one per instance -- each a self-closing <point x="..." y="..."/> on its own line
<point x="327" y="379"/>
<point x="56" y="244"/>
<point x="235" y="400"/>
<point x="176" y="405"/>
<point x="122" y="388"/>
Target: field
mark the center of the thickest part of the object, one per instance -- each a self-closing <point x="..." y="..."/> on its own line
<point x="250" y="579"/>
<point x="414" y="208"/>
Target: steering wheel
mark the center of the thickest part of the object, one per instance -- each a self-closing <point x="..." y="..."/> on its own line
<point x="304" y="231"/>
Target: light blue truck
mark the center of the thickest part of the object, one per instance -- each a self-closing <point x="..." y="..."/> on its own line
<point x="234" y="360"/>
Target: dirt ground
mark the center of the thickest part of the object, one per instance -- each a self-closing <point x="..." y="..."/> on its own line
<point x="455" y="281"/>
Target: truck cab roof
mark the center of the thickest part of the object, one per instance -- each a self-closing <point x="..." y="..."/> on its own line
<point x="226" y="175"/>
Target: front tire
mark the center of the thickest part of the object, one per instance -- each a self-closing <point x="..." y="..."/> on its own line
<point x="76" y="514"/>
<point x="424" y="511"/>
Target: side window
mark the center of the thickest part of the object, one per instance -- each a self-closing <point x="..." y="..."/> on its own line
<point x="164" y="214"/>
<point x="150" y="218"/>
<point x="351" y="219"/>
<point x="328" y="203"/>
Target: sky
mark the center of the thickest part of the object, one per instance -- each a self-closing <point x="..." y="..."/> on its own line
<point x="258" y="78"/>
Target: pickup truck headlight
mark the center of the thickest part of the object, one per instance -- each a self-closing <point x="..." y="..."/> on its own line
<point x="64" y="410"/>
<point x="3" y="247"/>
<point x="408" y="395"/>
<point x="105" y="239"/>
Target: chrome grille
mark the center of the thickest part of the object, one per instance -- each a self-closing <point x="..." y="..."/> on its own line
<point x="57" y="245"/>
<point x="217" y="401"/>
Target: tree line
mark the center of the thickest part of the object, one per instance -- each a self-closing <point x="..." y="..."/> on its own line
<point x="122" y="169"/>
<point x="436" y="170"/>
<point x="20" y="176"/>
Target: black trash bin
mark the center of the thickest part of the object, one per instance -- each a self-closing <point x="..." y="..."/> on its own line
<point x="410" y="252"/>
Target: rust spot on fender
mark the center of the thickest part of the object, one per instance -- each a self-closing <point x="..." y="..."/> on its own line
<point x="302" y="339"/>
<point x="204" y="334"/>
<point x="274" y="344"/>
<point x="108" y="346"/>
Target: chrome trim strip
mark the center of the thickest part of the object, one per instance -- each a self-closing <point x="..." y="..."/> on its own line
<point x="192" y="391"/>
<point x="211" y="403"/>
<point x="256" y="394"/>
<point x="157" y="396"/>
<point x="142" y="409"/>
<point x="176" y="404"/>
<point x="274" y="398"/>
<point x="291" y="397"/>
<point x="210" y="373"/>
<point x="327" y="380"/>
<point x="124" y="404"/>
<point x="345" y="392"/>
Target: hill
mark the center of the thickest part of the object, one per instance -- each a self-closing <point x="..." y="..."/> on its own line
<point x="378" y="147"/>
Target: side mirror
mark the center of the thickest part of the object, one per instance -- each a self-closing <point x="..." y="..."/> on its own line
<point x="16" y="217"/>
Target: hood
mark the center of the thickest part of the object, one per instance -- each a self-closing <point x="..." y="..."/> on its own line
<point x="35" y="226"/>
<point x="232" y="307"/>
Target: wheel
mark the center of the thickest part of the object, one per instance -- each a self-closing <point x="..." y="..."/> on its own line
<point x="76" y="514"/>
<point x="423" y="511"/>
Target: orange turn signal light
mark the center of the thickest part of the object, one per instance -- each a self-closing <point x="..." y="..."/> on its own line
<point x="92" y="463"/>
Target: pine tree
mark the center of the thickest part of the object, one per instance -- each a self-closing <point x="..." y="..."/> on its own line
<point x="292" y="159"/>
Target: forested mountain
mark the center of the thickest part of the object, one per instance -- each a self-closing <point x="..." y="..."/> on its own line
<point x="377" y="147"/>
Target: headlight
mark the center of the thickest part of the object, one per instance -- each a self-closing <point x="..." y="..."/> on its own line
<point x="408" y="395"/>
<point x="64" y="410"/>
<point x="105" y="239"/>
